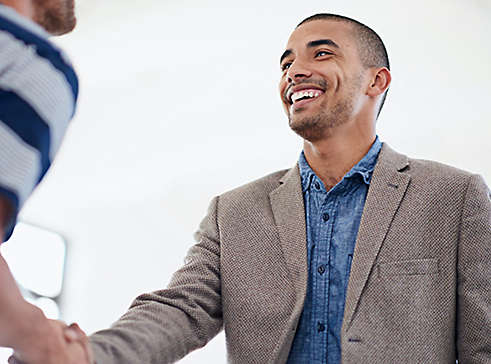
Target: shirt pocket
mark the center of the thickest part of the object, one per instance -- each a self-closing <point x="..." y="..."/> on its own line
<point x="414" y="267"/>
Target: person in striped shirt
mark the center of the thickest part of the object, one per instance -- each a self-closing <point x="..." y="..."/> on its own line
<point x="38" y="94"/>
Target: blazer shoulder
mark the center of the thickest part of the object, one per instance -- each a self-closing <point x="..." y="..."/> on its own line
<point x="445" y="179"/>
<point x="428" y="169"/>
<point x="427" y="175"/>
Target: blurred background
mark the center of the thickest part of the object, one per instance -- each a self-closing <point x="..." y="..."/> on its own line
<point x="179" y="103"/>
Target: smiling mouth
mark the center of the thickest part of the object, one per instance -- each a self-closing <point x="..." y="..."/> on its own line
<point x="302" y="97"/>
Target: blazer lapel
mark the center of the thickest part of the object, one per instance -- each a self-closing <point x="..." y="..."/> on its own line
<point x="289" y="214"/>
<point x="387" y="188"/>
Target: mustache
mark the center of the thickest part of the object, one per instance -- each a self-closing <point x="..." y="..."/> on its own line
<point x="310" y="81"/>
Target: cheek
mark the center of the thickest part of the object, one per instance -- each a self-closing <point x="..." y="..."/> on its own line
<point x="282" y="87"/>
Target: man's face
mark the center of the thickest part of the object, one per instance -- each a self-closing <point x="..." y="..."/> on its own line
<point x="55" y="16"/>
<point x="322" y="78"/>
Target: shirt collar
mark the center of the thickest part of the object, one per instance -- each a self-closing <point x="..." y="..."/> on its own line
<point x="364" y="167"/>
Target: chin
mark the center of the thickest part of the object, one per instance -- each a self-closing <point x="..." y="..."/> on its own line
<point x="309" y="128"/>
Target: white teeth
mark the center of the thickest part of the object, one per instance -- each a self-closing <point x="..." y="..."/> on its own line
<point x="299" y="94"/>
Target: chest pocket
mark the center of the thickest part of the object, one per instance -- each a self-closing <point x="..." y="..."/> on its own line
<point x="408" y="267"/>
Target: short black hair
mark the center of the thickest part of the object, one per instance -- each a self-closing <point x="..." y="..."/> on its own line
<point x="371" y="48"/>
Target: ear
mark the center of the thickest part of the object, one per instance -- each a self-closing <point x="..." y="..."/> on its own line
<point x="380" y="82"/>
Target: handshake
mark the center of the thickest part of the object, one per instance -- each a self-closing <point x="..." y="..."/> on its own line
<point x="55" y="343"/>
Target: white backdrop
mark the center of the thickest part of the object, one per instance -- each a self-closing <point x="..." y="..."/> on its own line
<point x="179" y="102"/>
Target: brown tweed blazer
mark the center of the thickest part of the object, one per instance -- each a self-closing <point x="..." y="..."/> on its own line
<point x="419" y="289"/>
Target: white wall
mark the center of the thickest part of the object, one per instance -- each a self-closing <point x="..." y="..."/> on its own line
<point x="179" y="103"/>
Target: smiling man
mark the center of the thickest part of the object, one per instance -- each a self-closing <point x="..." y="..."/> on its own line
<point x="356" y="254"/>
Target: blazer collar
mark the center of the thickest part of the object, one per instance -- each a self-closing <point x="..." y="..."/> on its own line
<point x="289" y="214"/>
<point x="387" y="188"/>
<point x="389" y="183"/>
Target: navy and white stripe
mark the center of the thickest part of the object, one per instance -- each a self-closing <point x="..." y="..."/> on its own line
<point x="38" y="94"/>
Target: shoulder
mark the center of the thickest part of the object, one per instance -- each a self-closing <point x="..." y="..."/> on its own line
<point x="28" y="56"/>
<point x="429" y="178"/>
<point x="38" y="85"/>
<point x="421" y="170"/>
<point x="446" y="178"/>
<point x="428" y="170"/>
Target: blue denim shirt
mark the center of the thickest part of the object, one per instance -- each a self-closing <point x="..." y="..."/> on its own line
<point x="332" y="222"/>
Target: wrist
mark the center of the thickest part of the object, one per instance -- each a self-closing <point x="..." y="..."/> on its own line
<point x="29" y="325"/>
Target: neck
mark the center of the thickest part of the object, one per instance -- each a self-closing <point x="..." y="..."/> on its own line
<point x="333" y="156"/>
<point x="23" y="7"/>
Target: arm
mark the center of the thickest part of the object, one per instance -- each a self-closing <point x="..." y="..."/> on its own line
<point x="163" y="326"/>
<point x="23" y="326"/>
<point x="71" y="348"/>
<point x="474" y="276"/>
<point x="38" y="91"/>
<point x="17" y="317"/>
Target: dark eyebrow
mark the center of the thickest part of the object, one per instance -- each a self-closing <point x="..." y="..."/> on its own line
<point x="312" y="44"/>
<point x="316" y="43"/>
<point x="285" y="54"/>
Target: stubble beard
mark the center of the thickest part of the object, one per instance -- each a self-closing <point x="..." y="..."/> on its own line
<point x="317" y="127"/>
<point x="57" y="17"/>
<point x="320" y="126"/>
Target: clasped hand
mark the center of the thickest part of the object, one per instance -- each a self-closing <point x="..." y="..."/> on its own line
<point x="60" y="344"/>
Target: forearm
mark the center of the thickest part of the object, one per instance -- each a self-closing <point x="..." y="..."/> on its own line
<point x="18" y="318"/>
<point x="151" y="334"/>
<point x="163" y="326"/>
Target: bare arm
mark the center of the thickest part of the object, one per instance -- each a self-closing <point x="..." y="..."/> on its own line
<point x="23" y="326"/>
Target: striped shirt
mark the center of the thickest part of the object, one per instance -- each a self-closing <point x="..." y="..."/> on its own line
<point x="38" y="94"/>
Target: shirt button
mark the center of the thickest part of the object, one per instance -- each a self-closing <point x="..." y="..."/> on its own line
<point x="325" y="216"/>
<point x="321" y="269"/>
<point x="320" y="327"/>
<point x="317" y="185"/>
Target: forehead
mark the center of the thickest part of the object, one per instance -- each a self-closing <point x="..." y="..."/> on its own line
<point x="339" y="32"/>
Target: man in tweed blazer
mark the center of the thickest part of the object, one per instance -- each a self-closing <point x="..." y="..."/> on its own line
<point x="418" y="287"/>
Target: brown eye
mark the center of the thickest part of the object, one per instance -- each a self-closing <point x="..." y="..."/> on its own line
<point x="285" y="66"/>
<point x="322" y="53"/>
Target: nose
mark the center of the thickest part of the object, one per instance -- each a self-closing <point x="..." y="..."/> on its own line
<point x="297" y="72"/>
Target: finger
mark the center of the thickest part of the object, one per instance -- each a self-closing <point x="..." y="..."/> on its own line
<point x="59" y="323"/>
<point x="71" y="335"/>
<point x="83" y="340"/>
<point x="75" y="333"/>
<point x="14" y="360"/>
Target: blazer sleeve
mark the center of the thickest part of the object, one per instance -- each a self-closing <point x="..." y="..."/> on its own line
<point x="474" y="276"/>
<point x="163" y="326"/>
